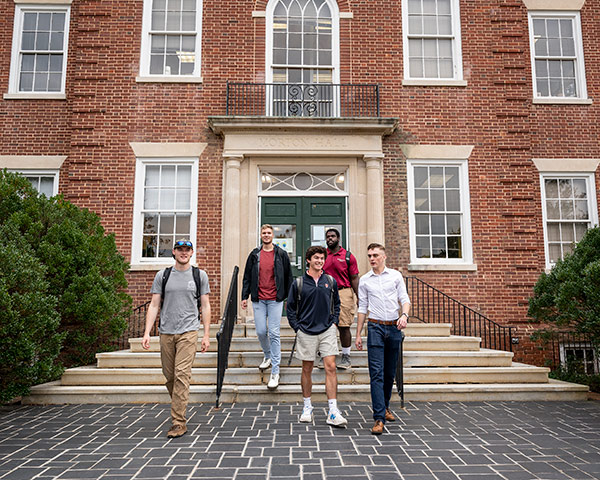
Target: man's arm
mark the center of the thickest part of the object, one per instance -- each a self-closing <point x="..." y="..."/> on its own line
<point x="291" y="307"/>
<point x="405" y="302"/>
<point x="354" y="283"/>
<point x="336" y="303"/>
<point x="247" y="281"/>
<point x="353" y="274"/>
<point x="363" y="304"/>
<point x="151" y="315"/>
<point x="206" y="322"/>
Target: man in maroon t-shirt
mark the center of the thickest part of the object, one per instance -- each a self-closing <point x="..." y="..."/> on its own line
<point x="267" y="280"/>
<point x="344" y="269"/>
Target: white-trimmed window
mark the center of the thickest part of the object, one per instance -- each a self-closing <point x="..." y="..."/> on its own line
<point x="302" y="50"/>
<point x="557" y="55"/>
<point x="171" y="40"/>
<point x="44" y="181"/>
<point x="569" y="210"/>
<point x="39" y="53"/>
<point x="432" y="45"/>
<point x="165" y="207"/>
<point x="439" y="219"/>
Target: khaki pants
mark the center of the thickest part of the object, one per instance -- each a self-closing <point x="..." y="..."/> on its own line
<point x="177" y="353"/>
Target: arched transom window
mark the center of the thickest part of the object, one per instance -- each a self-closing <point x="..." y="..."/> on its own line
<point x="302" y="51"/>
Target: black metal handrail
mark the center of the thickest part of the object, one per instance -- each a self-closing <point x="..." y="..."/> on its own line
<point x="429" y="305"/>
<point x="320" y="100"/>
<point x="225" y="332"/>
<point x="135" y="326"/>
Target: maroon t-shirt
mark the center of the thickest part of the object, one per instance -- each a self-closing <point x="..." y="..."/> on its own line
<point x="267" y="290"/>
<point x="335" y="265"/>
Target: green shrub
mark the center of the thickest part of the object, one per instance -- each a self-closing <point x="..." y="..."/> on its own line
<point x="569" y="296"/>
<point x="569" y="374"/>
<point x="81" y="274"/>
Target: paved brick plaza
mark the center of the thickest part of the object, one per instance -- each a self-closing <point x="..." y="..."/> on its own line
<point x="441" y="441"/>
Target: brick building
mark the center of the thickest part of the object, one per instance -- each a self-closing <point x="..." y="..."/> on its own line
<point x="462" y="134"/>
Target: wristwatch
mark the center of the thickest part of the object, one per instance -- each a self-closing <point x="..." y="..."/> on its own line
<point x="405" y="314"/>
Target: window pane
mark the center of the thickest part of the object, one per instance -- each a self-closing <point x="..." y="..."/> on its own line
<point x="47" y="186"/>
<point x="552" y="210"/>
<point x="421" y="177"/>
<point x="565" y="188"/>
<point x="554" y="252"/>
<point x="438" y="224"/>
<point x="150" y="223"/>
<point x="567" y="232"/>
<point x="436" y="177"/>
<point x="553" y="232"/>
<point x="422" y="224"/>
<point x="580" y="229"/>
<point x="551" y="188"/>
<point x="581" y="210"/>
<point x="438" y="247"/>
<point x="579" y="188"/>
<point x="27" y="63"/>
<point x="182" y="224"/>
<point x="151" y="199"/>
<point x="421" y="199"/>
<point x="423" y="248"/>
<point x="437" y="200"/>
<point x="566" y="210"/>
<point x="453" y="224"/>
<point x="167" y="224"/>
<point x="167" y="199"/>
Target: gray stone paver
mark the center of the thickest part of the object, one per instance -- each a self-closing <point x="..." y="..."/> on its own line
<point x="430" y="441"/>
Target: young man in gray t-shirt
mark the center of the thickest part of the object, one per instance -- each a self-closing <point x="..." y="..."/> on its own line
<point x="179" y="325"/>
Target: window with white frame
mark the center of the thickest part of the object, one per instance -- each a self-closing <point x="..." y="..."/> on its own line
<point x="569" y="211"/>
<point x="439" y="222"/>
<point x="557" y="55"/>
<point x="432" y="47"/>
<point x="302" y="50"/>
<point x="44" y="181"/>
<point x="165" y="207"/>
<point x="580" y="357"/>
<point x="39" y="56"/>
<point x="171" y="38"/>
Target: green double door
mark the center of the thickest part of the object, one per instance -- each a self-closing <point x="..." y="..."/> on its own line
<point x="300" y="222"/>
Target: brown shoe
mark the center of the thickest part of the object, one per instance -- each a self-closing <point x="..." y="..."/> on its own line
<point x="389" y="416"/>
<point x="377" y="428"/>
<point x="177" y="431"/>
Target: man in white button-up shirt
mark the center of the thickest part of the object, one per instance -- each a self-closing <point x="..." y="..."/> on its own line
<point x="382" y="294"/>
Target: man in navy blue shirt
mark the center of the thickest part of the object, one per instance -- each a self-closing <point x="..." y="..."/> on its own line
<point x="313" y="311"/>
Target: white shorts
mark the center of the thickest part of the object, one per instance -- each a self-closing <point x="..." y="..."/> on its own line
<point x="307" y="345"/>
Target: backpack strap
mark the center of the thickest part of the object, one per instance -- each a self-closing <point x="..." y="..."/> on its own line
<point x="331" y="280"/>
<point x="165" y="279"/>
<point x="198" y="282"/>
<point x="299" y="283"/>
<point x="348" y="261"/>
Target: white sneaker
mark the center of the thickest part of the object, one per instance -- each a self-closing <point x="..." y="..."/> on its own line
<point x="307" y="415"/>
<point x="266" y="363"/>
<point x="336" y="419"/>
<point x="273" y="381"/>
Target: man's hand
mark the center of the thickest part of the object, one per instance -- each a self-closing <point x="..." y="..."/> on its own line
<point x="244" y="304"/>
<point x="205" y="343"/>
<point x="358" y="342"/>
<point x="146" y="341"/>
<point x="402" y="322"/>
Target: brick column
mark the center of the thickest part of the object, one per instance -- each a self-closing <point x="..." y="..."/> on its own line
<point x="375" y="222"/>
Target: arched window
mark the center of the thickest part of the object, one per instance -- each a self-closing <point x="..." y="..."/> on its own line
<point x="302" y="51"/>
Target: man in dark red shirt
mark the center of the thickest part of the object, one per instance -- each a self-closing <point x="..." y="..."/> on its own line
<point x="267" y="280"/>
<point x="342" y="266"/>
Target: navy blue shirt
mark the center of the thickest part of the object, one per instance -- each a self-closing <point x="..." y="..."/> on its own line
<point x="315" y="314"/>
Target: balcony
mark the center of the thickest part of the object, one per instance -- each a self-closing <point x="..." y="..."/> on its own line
<point x="303" y="100"/>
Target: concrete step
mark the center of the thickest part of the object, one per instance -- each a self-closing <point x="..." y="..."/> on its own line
<point x="453" y="342"/>
<point x="481" y="358"/>
<point x="412" y="329"/>
<point x="54" y="393"/>
<point x="517" y="373"/>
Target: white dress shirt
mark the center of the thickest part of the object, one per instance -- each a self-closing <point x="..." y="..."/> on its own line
<point x="382" y="295"/>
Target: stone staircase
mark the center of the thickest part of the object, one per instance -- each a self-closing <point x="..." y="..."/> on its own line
<point x="438" y="366"/>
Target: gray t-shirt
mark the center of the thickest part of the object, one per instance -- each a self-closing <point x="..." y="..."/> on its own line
<point x="180" y="308"/>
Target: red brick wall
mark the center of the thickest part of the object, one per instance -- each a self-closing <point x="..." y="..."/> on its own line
<point x="106" y="109"/>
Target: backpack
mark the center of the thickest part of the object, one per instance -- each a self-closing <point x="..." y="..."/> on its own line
<point x="348" y="262"/>
<point x="197" y="281"/>
<point x="300" y="282"/>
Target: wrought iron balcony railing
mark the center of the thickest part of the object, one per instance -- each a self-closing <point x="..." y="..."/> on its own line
<point x="319" y="100"/>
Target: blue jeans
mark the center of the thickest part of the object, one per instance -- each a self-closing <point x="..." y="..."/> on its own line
<point x="383" y="347"/>
<point x="271" y="343"/>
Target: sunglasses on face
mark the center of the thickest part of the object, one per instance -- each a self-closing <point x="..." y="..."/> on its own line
<point x="183" y="243"/>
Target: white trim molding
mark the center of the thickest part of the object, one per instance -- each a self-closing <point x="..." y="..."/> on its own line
<point x="161" y="150"/>
<point x="45" y="2"/>
<point x="554" y="4"/>
<point x="583" y="165"/>
<point x="32" y="162"/>
<point x="442" y="152"/>
<point x="434" y="82"/>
